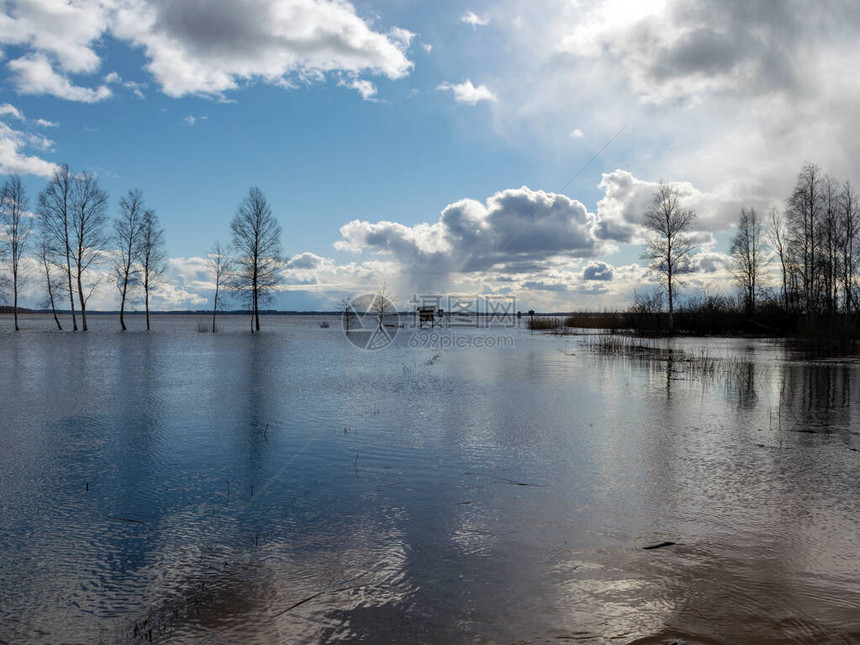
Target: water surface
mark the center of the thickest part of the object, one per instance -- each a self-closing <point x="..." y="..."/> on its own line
<point x="288" y="487"/>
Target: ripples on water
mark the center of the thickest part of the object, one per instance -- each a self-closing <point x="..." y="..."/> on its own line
<point x="287" y="487"/>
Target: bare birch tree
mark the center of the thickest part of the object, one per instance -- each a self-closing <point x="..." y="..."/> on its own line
<point x="747" y="254"/>
<point x="16" y="223"/>
<point x="128" y="228"/>
<point x="778" y="237"/>
<point x="850" y="226"/>
<point x="54" y="278"/>
<point x="153" y="263"/>
<point x="257" y="240"/>
<point x="803" y="213"/>
<point x="88" y="206"/>
<point x="219" y="268"/>
<point x="55" y="204"/>
<point x="670" y="246"/>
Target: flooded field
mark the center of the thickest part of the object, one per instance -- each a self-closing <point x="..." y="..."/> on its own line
<point x="179" y="487"/>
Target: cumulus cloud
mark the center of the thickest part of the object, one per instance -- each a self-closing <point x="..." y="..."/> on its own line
<point x="626" y="199"/>
<point x="209" y="47"/>
<point x="34" y="74"/>
<point x="576" y="134"/>
<point x="466" y="92"/>
<point x="598" y="270"/>
<point x="203" y="47"/>
<point x="514" y="231"/>
<point x="471" y="18"/>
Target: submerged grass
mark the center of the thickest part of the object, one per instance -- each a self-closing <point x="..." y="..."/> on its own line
<point x="545" y="323"/>
<point x="737" y="374"/>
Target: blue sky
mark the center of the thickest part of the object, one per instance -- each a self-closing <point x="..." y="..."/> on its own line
<point x="385" y="114"/>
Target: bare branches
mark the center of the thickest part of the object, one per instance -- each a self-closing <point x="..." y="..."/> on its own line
<point x="220" y="266"/>
<point x="128" y="228"/>
<point x="15" y="221"/>
<point x="257" y="241"/>
<point x="153" y="263"/>
<point x="88" y="205"/>
<point x="670" y="247"/>
<point x="747" y="250"/>
<point x="55" y="203"/>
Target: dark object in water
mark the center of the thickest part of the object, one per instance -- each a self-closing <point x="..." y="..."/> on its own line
<point x="658" y="546"/>
<point x="124" y="519"/>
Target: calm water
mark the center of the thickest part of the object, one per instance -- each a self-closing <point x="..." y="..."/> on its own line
<point x="288" y="487"/>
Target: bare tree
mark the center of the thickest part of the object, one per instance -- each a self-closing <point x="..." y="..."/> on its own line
<point x="345" y="309"/>
<point x="257" y="240"/>
<point x="382" y="304"/>
<point x="830" y="258"/>
<point x="850" y="226"/>
<point x="54" y="281"/>
<point x="803" y="213"/>
<point x="747" y="253"/>
<point x="151" y="256"/>
<point x="778" y="237"/>
<point x="670" y="246"/>
<point x="16" y="228"/>
<point x="88" y="239"/>
<point x="219" y="267"/>
<point x="55" y="204"/>
<point x="128" y="228"/>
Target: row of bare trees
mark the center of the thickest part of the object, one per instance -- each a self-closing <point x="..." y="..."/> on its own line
<point x="72" y="235"/>
<point x="70" y="225"/>
<point x="815" y="240"/>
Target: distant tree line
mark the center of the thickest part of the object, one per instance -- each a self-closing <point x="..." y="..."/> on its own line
<point x="69" y="234"/>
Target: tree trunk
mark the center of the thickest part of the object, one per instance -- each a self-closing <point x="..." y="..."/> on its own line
<point x="146" y="300"/>
<point x="15" y="297"/>
<point x="256" y="301"/>
<point x="53" y="308"/>
<point x="214" y="308"/>
<point x="71" y="291"/>
<point x="122" y="304"/>
<point x="671" y="304"/>
<point x="83" y="302"/>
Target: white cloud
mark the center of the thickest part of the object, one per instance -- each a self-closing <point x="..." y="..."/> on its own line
<point x="466" y="92"/>
<point x="11" y="110"/>
<point x="732" y="96"/>
<point x="471" y="18"/>
<point x="427" y="47"/>
<point x="44" y="123"/>
<point x="13" y="155"/>
<point x="34" y="74"/>
<point x="190" y="120"/>
<point x="626" y="199"/>
<point x="515" y="231"/>
<point x="576" y="134"/>
<point x="364" y="87"/>
<point x="204" y="47"/>
<point x="210" y="47"/>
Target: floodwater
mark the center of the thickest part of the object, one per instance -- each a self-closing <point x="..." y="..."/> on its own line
<point x="177" y="486"/>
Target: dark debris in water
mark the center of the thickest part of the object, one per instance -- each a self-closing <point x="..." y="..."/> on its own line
<point x="658" y="546"/>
